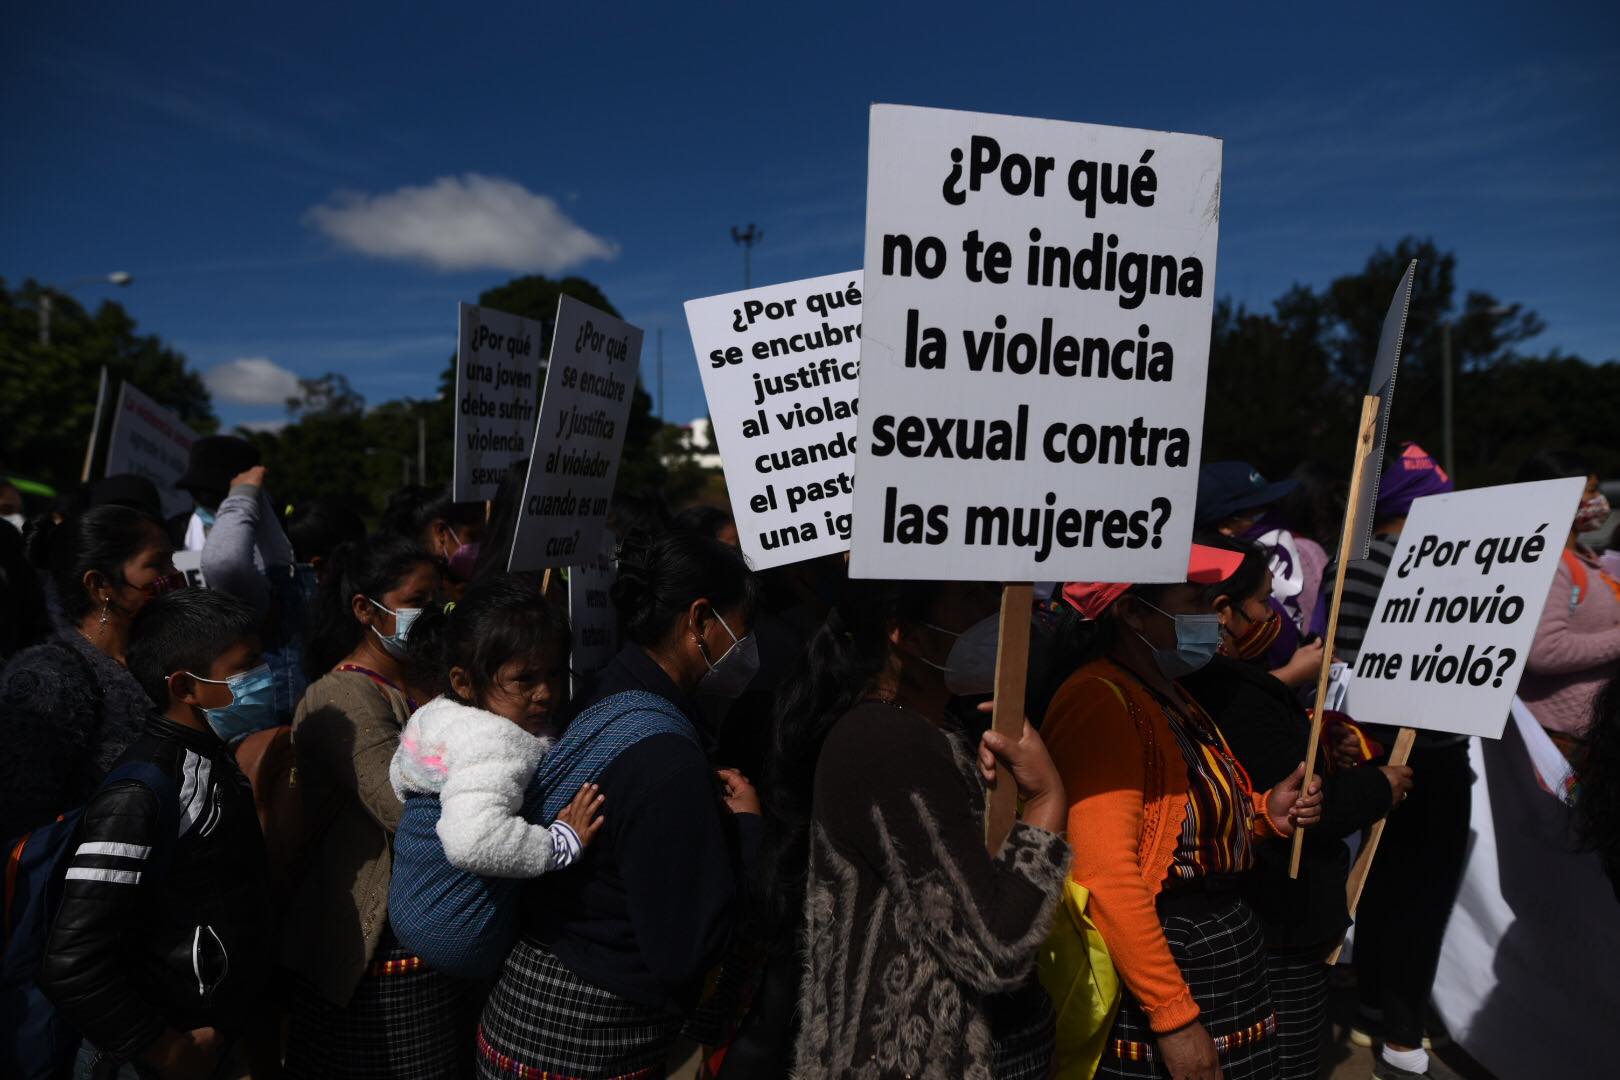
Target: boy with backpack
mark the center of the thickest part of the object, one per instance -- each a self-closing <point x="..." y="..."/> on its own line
<point x="163" y="939"/>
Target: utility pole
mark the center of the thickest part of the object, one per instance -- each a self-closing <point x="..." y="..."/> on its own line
<point x="747" y="238"/>
<point x="661" y="414"/>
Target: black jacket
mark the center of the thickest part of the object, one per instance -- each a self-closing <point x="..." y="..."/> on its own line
<point x="650" y="906"/>
<point x="1268" y="730"/>
<point x="164" y="931"/>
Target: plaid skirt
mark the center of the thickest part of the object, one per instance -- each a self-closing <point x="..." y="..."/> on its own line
<point x="404" y="1022"/>
<point x="1023" y="1030"/>
<point x="1221" y="953"/>
<point x="1299" y="990"/>
<point x="543" y="1022"/>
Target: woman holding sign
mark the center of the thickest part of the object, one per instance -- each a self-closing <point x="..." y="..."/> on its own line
<point x="919" y="946"/>
<point x="1268" y="729"/>
<point x="1164" y="820"/>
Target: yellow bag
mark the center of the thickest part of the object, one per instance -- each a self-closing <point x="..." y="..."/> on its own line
<point x="1077" y="973"/>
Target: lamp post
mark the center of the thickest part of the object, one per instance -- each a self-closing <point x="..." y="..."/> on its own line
<point x="117" y="277"/>
<point x="747" y="238"/>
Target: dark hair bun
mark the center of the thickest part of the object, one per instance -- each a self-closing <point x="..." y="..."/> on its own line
<point x="635" y="591"/>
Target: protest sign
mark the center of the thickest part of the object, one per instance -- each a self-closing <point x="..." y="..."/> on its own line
<point x="1459" y="607"/>
<point x="590" y="381"/>
<point x="780" y="367"/>
<point x="151" y="441"/>
<point x="1034" y="343"/>
<point x="497" y="376"/>
<point x="189" y="563"/>
<point x="591" y="614"/>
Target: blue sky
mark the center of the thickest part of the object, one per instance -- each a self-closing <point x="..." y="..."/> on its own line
<point x="194" y="150"/>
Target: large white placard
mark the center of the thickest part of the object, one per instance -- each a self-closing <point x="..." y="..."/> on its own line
<point x="1459" y="607"/>
<point x="497" y="383"/>
<point x="1035" y="338"/>
<point x="591" y="614"/>
<point x="780" y="369"/>
<point x="590" y="384"/>
<point x="151" y="441"/>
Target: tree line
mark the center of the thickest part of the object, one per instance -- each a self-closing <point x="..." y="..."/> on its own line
<point x="1284" y="388"/>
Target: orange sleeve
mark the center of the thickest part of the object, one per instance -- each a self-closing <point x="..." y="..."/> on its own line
<point x="1264" y="827"/>
<point x="1096" y="748"/>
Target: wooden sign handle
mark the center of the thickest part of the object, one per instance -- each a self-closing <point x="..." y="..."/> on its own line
<point x="1358" y="872"/>
<point x="1012" y="669"/>
<point x="1358" y="477"/>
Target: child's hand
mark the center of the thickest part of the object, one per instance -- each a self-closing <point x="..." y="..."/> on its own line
<point x="584" y="813"/>
<point x="741" y="798"/>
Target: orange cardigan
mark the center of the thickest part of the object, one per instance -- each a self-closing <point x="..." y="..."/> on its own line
<point x="1127" y="786"/>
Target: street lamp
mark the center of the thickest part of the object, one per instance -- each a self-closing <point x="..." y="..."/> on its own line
<point x="117" y="277"/>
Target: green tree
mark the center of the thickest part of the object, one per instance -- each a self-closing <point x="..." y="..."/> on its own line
<point x="1286" y="386"/>
<point x="48" y="392"/>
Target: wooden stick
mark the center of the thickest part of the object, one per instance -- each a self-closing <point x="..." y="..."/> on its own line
<point x="545" y="582"/>
<point x="489" y="505"/>
<point x="1358" y="476"/>
<point x="95" y="427"/>
<point x="1364" y="858"/>
<point x="1012" y="668"/>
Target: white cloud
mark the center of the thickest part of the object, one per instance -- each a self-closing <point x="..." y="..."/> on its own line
<point x="470" y="222"/>
<point x="270" y="426"/>
<point x="252" y="380"/>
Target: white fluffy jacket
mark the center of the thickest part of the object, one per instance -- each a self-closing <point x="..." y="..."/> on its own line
<point x="479" y="765"/>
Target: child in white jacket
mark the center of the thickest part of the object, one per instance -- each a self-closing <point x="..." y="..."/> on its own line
<point x="479" y="765"/>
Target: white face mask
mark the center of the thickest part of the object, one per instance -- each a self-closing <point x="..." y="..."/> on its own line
<point x="730" y="675"/>
<point x="970" y="668"/>
<point x="403" y="618"/>
<point x="17" y="520"/>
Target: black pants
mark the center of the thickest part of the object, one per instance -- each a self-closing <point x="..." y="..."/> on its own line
<point x="1410" y="891"/>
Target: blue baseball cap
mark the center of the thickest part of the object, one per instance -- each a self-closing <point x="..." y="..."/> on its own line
<point x="1226" y="488"/>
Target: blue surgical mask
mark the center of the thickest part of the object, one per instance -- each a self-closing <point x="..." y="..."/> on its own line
<point x="403" y="618"/>
<point x="252" y="707"/>
<point x="1198" y="638"/>
<point x="204" y="516"/>
<point x="970" y="669"/>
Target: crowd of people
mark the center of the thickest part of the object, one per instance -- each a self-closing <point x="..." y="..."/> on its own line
<point x="342" y="808"/>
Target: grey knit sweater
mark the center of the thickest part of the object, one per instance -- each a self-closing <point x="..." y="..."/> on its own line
<point x="910" y="926"/>
<point x="67" y="711"/>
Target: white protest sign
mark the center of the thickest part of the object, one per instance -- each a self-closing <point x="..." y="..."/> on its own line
<point x="1035" y="338"/>
<point x="189" y="563"/>
<point x="590" y="383"/>
<point x="151" y="441"/>
<point x="780" y="367"/>
<point x="1459" y="607"/>
<point x="591" y="614"/>
<point x="497" y="373"/>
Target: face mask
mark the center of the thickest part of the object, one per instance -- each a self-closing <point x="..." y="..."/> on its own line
<point x="252" y="707"/>
<point x="1592" y="514"/>
<point x="166" y="584"/>
<point x="403" y="618"/>
<point x="970" y="669"/>
<point x="463" y="561"/>
<point x="1197" y="639"/>
<point x="1257" y="638"/>
<point x="730" y="675"/>
<point x="16" y="521"/>
<point x="204" y="516"/>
